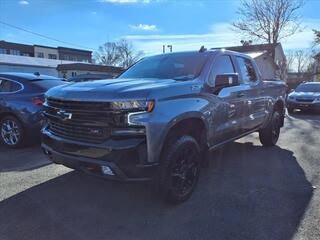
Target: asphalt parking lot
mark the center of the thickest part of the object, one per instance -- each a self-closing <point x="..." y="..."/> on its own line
<point x="248" y="192"/>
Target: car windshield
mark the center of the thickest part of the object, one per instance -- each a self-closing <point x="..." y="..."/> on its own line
<point x="308" y="88"/>
<point x="185" y="66"/>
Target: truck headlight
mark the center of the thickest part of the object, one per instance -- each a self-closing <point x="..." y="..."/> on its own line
<point x="134" y="105"/>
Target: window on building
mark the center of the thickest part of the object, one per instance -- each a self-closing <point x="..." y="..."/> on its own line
<point x="73" y="74"/>
<point x="40" y="55"/>
<point x="52" y="56"/>
<point x="14" y="52"/>
<point x="247" y="70"/>
<point x="3" y="51"/>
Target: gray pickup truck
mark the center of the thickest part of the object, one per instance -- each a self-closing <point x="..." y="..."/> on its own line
<point x="157" y="120"/>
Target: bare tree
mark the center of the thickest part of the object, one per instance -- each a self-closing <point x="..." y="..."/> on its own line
<point x="316" y="37"/>
<point x="303" y="60"/>
<point x="121" y="53"/>
<point x="268" y="20"/>
<point x="299" y="61"/>
<point x="128" y="55"/>
<point x="108" y="54"/>
<point x="290" y="56"/>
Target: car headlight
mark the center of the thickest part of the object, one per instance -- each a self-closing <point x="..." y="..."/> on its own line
<point x="45" y="103"/>
<point x="317" y="100"/>
<point x="134" y="105"/>
<point x="291" y="97"/>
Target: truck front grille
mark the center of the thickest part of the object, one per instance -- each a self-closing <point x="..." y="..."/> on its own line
<point x="82" y="121"/>
<point x="89" y="134"/>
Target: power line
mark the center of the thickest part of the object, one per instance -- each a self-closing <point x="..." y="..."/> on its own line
<point x="44" y="36"/>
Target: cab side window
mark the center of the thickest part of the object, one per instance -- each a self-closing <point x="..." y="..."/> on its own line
<point x="247" y="71"/>
<point x="222" y="65"/>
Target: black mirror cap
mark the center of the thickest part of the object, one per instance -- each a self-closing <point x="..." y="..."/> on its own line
<point x="227" y="80"/>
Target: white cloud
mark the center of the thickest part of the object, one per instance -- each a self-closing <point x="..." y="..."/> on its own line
<point x="304" y="38"/>
<point x="144" y="27"/>
<point x="125" y="1"/>
<point x="24" y="2"/>
<point x="220" y="35"/>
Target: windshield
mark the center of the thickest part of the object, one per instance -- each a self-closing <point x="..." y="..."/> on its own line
<point x="174" y="66"/>
<point x="308" y="88"/>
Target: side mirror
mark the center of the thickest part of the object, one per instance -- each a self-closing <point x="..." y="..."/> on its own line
<point x="226" y="80"/>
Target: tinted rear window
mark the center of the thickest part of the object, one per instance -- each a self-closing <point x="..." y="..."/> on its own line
<point x="7" y="86"/>
<point x="47" y="84"/>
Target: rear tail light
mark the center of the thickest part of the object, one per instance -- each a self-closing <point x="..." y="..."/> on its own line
<point x="37" y="101"/>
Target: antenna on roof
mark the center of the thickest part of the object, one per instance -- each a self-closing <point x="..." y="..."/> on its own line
<point x="202" y="49"/>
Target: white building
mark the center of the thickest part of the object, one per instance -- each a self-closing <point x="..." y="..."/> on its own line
<point x="16" y="63"/>
<point x="52" y="67"/>
<point x="46" y="52"/>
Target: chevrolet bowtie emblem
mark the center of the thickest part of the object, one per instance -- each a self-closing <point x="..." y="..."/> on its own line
<point x="64" y="115"/>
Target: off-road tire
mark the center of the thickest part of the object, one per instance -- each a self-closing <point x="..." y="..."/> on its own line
<point x="170" y="162"/>
<point x="269" y="135"/>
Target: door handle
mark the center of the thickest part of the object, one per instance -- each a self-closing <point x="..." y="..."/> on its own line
<point x="240" y="94"/>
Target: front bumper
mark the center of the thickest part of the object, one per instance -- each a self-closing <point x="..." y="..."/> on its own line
<point x="303" y="105"/>
<point x="127" y="159"/>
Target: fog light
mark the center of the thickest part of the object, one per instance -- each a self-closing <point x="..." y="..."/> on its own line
<point x="106" y="170"/>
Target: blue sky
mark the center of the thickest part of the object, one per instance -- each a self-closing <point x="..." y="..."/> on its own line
<point x="147" y="23"/>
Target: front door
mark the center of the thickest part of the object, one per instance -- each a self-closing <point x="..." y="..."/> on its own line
<point x="230" y="116"/>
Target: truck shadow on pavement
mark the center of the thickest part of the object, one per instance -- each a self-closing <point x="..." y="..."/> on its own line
<point x="248" y="192"/>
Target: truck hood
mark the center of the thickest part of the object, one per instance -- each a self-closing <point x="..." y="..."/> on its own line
<point x="110" y="89"/>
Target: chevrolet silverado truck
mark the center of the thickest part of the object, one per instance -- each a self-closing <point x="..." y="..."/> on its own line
<point x="158" y="118"/>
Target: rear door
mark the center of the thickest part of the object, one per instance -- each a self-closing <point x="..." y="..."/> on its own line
<point x="254" y="91"/>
